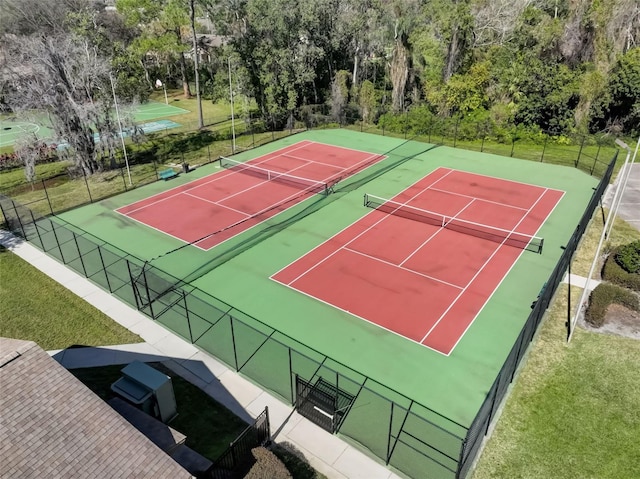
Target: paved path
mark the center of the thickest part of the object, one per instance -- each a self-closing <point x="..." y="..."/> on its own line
<point x="629" y="209"/>
<point x="325" y="452"/>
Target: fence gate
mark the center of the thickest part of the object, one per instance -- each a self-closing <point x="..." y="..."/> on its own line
<point x="322" y="403"/>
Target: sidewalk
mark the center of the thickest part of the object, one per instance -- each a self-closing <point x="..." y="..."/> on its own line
<point x="325" y="452"/>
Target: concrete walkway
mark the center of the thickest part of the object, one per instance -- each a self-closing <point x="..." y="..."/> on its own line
<point x="325" y="452"/>
<point x="629" y="209"/>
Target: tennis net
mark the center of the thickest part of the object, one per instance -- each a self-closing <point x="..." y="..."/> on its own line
<point x="305" y="184"/>
<point x="491" y="233"/>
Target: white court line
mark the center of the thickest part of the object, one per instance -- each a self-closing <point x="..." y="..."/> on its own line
<point x="298" y="145"/>
<point x="506" y="274"/>
<point x="453" y="303"/>
<point x="481" y="199"/>
<point x="430" y="237"/>
<point x="402" y="268"/>
<point x="217" y="204"/>
<point x="360" y="234"/>
<point x="507" y="179"/>
<point x="216" y="176"/>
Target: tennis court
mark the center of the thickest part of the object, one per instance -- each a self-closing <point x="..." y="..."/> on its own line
<point x="473" y="209"/>
<point x="422" y="274"/>
<point x="210" y="210"/>
<point x="11" y="128"/>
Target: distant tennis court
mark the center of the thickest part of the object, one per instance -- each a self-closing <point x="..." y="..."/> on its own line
<point x="209" y="211"/>
<point x="421" y="274"/>
<point x="11" y="128"/>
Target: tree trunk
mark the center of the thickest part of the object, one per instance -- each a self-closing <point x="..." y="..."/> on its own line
<point x="399" y="74"/>
<point x="196" y="62"/>
<point x="354" y="79"/>
<point x="452" y="55"/>
<point x="183" y="74"/>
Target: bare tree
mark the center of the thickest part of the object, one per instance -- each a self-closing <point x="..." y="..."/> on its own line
<point x="61" y="75"/>
<point x="28" y="149"/>
<point x="496" y="20"/>
<point x="26" y="17"/>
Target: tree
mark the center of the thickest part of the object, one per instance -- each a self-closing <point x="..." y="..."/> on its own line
<point x="340" y="96"/>
<point x="619" y="109"/>
<point x="61" y="75"/>
<point x="26" y="17"/>
<point x="28" y="149"/>
<point x="160" y="24"/>
<point x="403" y="15"/>
<point x="367" y="100"/>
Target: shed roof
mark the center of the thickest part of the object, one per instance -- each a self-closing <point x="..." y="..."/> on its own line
<point x="51" y="425"/>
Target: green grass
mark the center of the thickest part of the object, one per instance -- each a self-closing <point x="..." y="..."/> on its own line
<point x="34" y="307"/>
<point x="574" y="411"/>
<point x="209" y="426"/>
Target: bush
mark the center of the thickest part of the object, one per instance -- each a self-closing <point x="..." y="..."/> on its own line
<point x="604" y="295"/>
<point x="614" y="272"/>
<point x="628" y="257"/>
<point x="267" y="466"/>
<point x="295" y="461"/>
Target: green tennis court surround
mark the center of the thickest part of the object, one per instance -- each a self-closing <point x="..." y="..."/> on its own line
<point x="417" y="410"/>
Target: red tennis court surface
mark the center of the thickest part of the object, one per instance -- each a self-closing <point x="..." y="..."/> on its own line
<point x="419" y="280"/>
<point x="213" y="209"/>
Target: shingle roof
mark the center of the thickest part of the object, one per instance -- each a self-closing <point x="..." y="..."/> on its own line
<point x="51" y="425"/>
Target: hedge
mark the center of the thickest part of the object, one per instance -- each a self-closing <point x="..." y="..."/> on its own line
<point x="616" y="274"/>
<point x="267" y="466"/>
<point x="628" y="257"/>
<point x="604" y="295"/>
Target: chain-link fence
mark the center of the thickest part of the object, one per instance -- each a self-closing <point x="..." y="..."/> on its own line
<point x="399" y="430"/>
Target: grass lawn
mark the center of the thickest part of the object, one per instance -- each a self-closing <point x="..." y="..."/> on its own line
<point x="574" y="410"/>
<point x="34" y="307"/>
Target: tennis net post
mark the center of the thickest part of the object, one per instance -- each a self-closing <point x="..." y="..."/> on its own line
<point x="491" y="233"/>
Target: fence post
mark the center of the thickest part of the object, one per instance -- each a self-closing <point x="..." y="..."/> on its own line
<point x="293" y="399"/>
<point x="75" y="239"/>
<point x="104" y="268"/>
<point x="186" y="312"/>
<point x="233" y="342"/>
<point x="388" y="456"/>
<point x="33" y="219"/>
<point x="86" y="182"/>
<point x="124" y="181"/>
<point x="544" y="148"/>
<point x="55" y="235"/>
<point x="46" y="193"/>
<point x="455" y="133"/>
<point x="579" y="152"/>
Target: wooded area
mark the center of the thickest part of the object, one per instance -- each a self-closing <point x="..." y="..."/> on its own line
<point x="552" y="66"/>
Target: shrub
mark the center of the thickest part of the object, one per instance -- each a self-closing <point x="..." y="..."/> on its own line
<point x="295" y="461"/>
<point x="615" y="273"/>
<point x="267" y="466"/>
<point x="628" y="257"/>
<point x="604" y="295"/>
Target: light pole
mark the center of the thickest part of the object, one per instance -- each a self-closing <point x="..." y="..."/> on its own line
<point x="124" y="148"/>
<point x="233" y="125"/>
<point x="624" y="178"/>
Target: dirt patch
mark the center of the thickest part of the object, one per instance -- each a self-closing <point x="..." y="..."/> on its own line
<point x="620" y="321"/>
